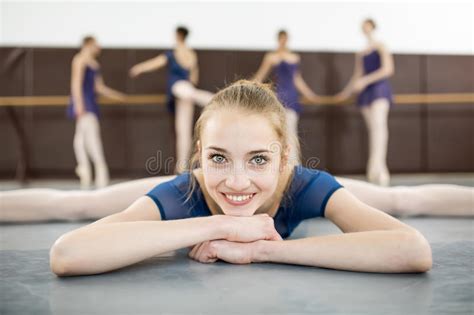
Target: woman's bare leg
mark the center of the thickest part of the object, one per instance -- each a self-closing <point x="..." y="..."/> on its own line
<point x="376" y="119"/>
<point x="31" y="205"/>
<point x="83" y="168"/>
<point x="201" y="97"/>
<point x="292" y="123"/>
<point x="431" y="200"/>
<point x="184" y="90"/>
<point x="186" y="95"/>
<point x="95" y="150"/>
<point x="184" y="132"/>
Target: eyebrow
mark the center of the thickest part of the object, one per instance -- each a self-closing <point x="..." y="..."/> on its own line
<point x="227" y="152"/>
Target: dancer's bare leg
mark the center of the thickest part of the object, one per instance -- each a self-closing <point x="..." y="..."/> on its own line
<point x="31" y="205"/>
<point x="376" y="119"/>
<point x="186" y="95"/>
<point x="95" y="150"/>
<point x="184" y="132"/>
<point x="83" y="168"/>
<point x="201" y="97"/>
<point x="186" y="91"/>
<point x="292" y="123"/>
<point x="431" y="200"/>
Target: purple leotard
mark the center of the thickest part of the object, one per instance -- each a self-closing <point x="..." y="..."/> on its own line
<point x="88" y="94"/>
<point x="305" y="198"/>
<point x="175" y="73"/>
<point x="376" y="90"/>
<point x="285" y="86"/>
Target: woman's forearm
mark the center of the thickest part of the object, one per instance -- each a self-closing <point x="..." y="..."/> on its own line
<point x="378" y="75"/>
<point x="105" y="247"/>
<point x="110" y="93"/>
<point x="77" y="97"/>
<point x="389" y="251"/>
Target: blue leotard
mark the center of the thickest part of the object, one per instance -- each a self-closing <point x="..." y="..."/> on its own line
<point x="376" y="90"/>
<point x="88" y="94"/>
<point x="306" y="198"/>
<point x="175" y="73"/>
<point x="285" y="86"/>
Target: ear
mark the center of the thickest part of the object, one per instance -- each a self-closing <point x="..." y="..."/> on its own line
<point x="198" y="146"/>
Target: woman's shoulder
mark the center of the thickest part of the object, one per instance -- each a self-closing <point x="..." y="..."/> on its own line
<point x="271" y="57"/>
<point x="374" y="47"/>
<point x="294" y="57"/>
<point x="304" y="177"/>
<point x="310" y="190"/>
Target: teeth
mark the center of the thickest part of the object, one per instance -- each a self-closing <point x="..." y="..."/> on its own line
<point x="238" y="198"/>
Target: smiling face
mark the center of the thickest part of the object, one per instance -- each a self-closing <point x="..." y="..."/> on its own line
<point x="92" y="47"/>
<point x="367" y="27"/>
<point x="282" y="39"/>
<point x="240" y="157"/>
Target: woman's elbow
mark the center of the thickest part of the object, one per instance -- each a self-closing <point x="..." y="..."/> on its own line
<point x="421" y="259"/>
<point x="390" y="71"/>
<point x="59" y="259"/>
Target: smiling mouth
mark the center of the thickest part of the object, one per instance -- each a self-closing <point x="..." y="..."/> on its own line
<point x="238" y="200"/>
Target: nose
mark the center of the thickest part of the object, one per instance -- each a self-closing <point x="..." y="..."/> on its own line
<point x="238" y="181"/>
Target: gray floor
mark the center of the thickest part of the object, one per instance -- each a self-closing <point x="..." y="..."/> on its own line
<point x="175" y="284"/>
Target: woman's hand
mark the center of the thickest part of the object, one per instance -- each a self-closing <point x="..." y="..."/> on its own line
<point x="241" y="242"/>
<point x="79" y="111"/>
<point x="134" y="72"/>
<point x="250" y="229"/>
<point x="231" y="252"/>
<point x="359" y="85"/>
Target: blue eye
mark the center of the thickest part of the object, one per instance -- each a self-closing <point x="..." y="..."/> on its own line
<point x="259" y="160"/>
<point x="217" y="158"/>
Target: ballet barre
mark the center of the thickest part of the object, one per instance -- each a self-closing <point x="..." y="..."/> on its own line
<point x="160" y="99"/>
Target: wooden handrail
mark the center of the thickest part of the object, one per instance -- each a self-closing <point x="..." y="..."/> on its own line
<point x="154" y="99"/>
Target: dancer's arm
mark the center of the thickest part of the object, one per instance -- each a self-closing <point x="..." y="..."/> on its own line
<point x="77" y="76"/>
<point x="372" y="242"/>
<point x="137" y="233"/>
<point x="148" y="65"/>
<point x="305" y="90"/>
<point x="194" y="73"/>
<point x="264" y="69"/>
<point x="106" y="91"/>
<point x="386" y="69"/>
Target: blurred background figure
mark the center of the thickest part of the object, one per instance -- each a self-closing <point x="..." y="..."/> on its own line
<point x="373" y="67"/>
<point x="86" y="81"/>
<point x="285" y="67"/>
<point x="183" y="76"/>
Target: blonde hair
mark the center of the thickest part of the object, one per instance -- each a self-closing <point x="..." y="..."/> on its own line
<point x="252" y="98"/>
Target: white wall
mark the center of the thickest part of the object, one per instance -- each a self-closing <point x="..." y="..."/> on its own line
<point x="445" y="28"/>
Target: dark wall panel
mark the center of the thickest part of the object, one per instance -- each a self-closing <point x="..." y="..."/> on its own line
<point x="313" y="135"/>
<point x="50" y="137"/>
<point x="347" y="151"/>
<point x="450" y="74"/>
<point x="12" y="71"/>
<point x="114" y="68"/>
<point x="150" y="140"/>
<point x="51" y="71"/>
<point x="215" y="68"/>
<point x="245" y="64"/>
<point x="434" y="138"/>
<point x="450" y="142"/>
<point x="408" y="77"/>
<point x="405" y="139"/>
<point x="10" y="152"/>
